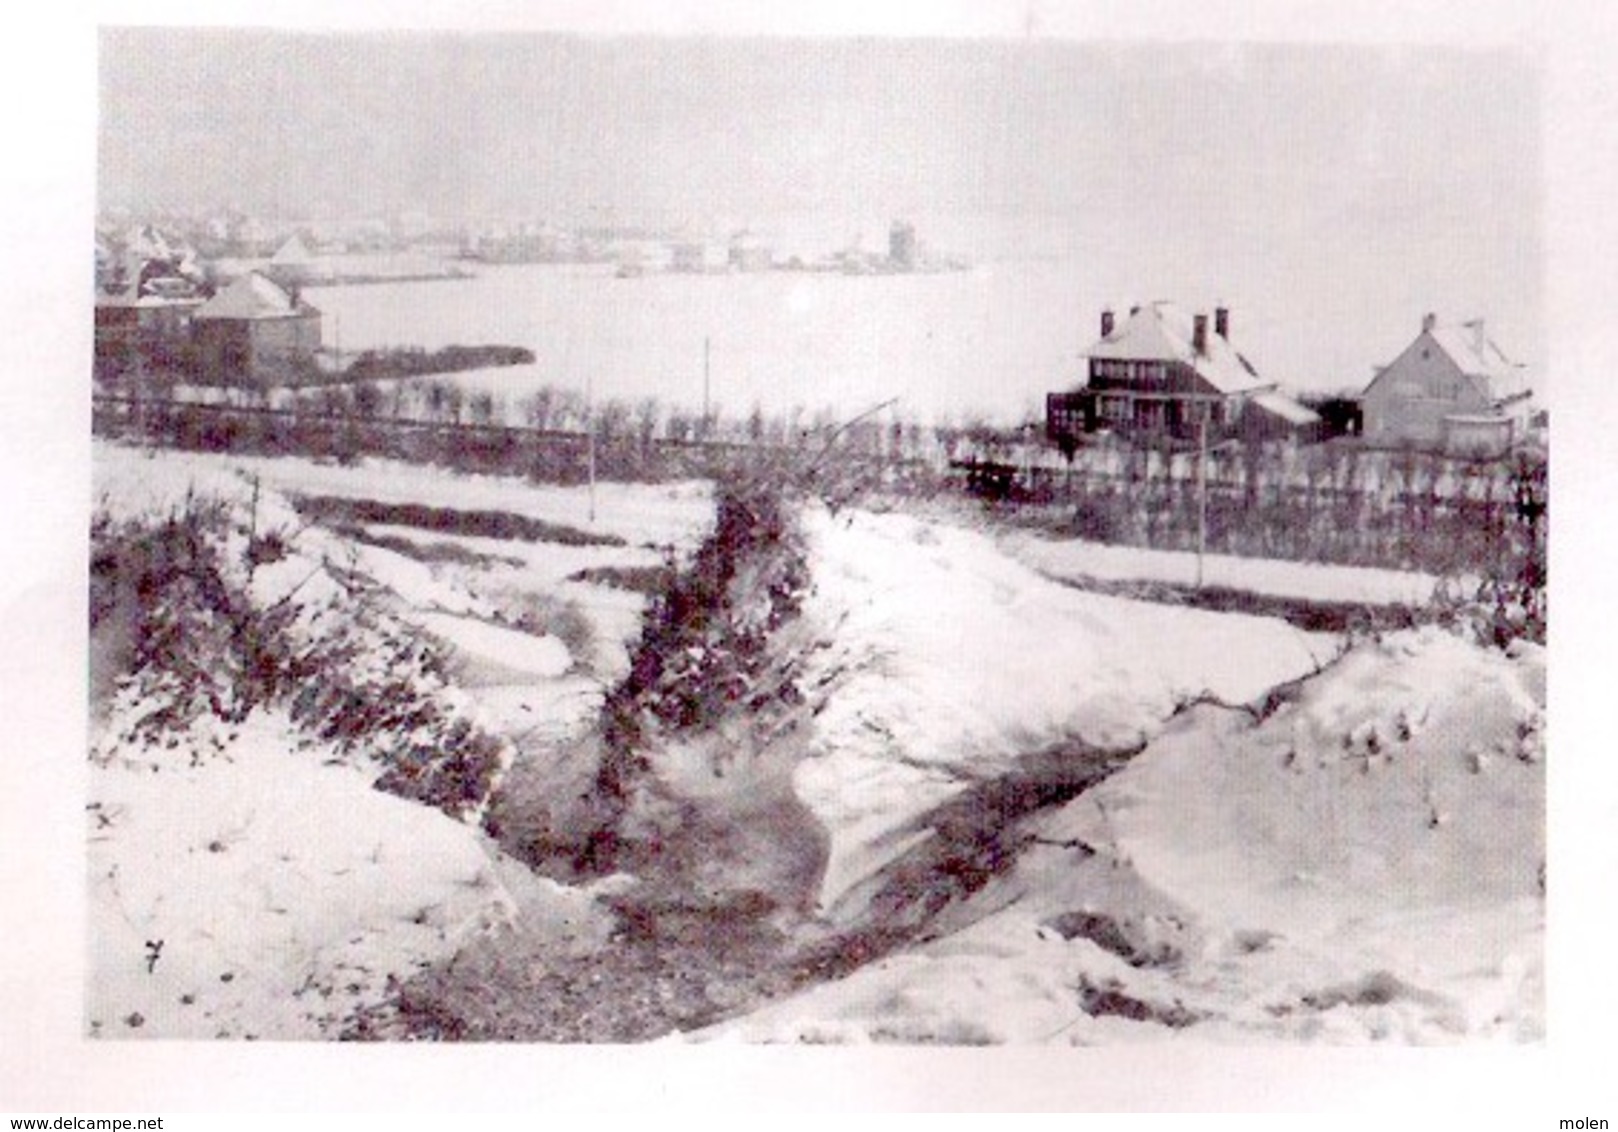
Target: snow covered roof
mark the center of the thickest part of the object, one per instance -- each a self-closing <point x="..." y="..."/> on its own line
<point x="292" y="253"/>
<point x="253" y="296"/>
<point x="1472" y="351"/>
<point x="147" y="240"/>
<point x="1161" y="331"/>
<point x="1286" y="408"/>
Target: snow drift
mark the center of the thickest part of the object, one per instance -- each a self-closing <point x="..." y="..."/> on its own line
<point x="1365" y="862"/>
<point x="941" y="662"/>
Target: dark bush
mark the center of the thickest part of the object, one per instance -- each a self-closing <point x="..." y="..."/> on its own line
<point x="201" y="647"/>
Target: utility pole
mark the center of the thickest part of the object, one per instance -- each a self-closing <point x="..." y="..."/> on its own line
<point x="1202" y="489"/>
<point x="590" y="440"/>
<point x="707" y="344"/>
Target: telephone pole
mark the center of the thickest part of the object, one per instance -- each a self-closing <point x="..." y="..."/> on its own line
<point x="590" y="440"/>
<point x="1202" y="489"/>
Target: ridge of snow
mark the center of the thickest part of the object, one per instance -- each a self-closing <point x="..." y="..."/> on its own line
<point x="947" y="659"/>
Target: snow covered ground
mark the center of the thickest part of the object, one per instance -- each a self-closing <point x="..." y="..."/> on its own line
<point x="246" y="881"/>
<point x="947" y="661"/>
<point x="1076" y="560"/>
<point x="1306" y="844"/>
<point x="1364" y="864"/>
<point x="266" y="891"/>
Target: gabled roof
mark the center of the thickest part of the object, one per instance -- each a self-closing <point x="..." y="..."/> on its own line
<point x="293" y="253"/>
<point x="1475" y="355"/>
<point x="253" y="296"/>
<point x="1162" y="332"/>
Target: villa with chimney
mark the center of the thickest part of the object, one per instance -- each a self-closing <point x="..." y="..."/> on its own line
<point x="1164" y="374"/>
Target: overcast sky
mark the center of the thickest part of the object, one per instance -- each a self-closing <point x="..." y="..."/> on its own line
<point x="1351" y="187"/>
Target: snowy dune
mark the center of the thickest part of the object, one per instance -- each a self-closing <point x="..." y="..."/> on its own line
<point x="1362" y="866"/>
<point x="283" y="890"/>
<point x="947" y="660"/>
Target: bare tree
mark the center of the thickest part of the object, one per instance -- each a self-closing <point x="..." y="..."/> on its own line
<point x="541" y="407"/>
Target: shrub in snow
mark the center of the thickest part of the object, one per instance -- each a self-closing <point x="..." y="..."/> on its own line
<point x="703" y="653"/>
<point x="197" y="646"/>
<point x="191" y="637"/>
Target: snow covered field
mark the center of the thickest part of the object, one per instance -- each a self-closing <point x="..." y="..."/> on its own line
<point x="669" y="515"/>
<point x="1302" y="837"/>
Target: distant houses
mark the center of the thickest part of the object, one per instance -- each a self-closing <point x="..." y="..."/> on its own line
<point x="701" y="257"/>
<point x="147" y="291"/>
<point x="748" y="252"/>
<point x="1451" y="389"/>
<point x="1164" y="374"/>
<point x="292" y="264"/>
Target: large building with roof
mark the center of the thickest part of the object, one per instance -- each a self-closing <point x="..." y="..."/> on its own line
<point x="1162" y="373"/>
<point x="256" y="332"/>
<point x="1451" y="389"/>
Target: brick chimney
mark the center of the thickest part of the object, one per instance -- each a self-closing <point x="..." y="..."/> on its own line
<point x="1222" y="322"/>
<point x="1199" y="334"/>
<point x="1106" y="323"/>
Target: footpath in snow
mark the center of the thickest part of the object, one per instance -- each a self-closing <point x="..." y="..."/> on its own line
<point x="1078" y="561"/>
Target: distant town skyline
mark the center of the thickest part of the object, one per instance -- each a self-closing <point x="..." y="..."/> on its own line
<point x="1344" y="189"/>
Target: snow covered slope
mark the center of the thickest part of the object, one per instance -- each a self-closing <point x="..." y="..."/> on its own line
<point x="1363" y="864"/>
<point x="247" y="878"/>
<point x="263" y="888"/>
<point x="943" y="662"/>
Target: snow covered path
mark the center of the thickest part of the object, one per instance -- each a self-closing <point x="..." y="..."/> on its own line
<point x="1078" y="561"/>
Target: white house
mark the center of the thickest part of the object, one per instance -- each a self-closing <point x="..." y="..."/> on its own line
<point x="1452" y="389"/>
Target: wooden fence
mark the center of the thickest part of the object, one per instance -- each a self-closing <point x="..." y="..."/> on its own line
<point x="1324" y="503"/>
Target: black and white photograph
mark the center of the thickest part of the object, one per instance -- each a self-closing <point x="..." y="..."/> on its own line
<point x="703" y="539"/>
